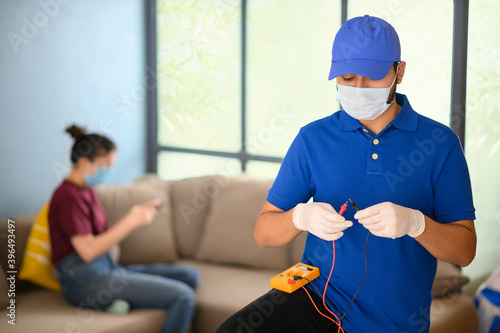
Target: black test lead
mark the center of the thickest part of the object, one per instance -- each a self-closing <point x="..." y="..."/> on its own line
<point x="354" y="205"/>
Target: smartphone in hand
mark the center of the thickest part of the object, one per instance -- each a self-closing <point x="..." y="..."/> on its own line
<point x="161" y="202"/>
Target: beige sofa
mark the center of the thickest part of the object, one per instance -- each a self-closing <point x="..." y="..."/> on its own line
<point x="208" y="222"/>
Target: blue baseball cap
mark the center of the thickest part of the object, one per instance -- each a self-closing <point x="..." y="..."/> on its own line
<point x="365" y="45"/>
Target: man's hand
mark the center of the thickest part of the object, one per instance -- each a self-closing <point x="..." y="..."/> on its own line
<point x="391" y="221"/>
<point x="320" y="219"/>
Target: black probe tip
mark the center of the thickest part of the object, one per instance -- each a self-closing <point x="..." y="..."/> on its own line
<point x="354" y="205"/>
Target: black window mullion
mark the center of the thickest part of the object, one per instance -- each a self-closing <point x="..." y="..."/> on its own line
<point x="459" y="68"/>
<point x="243" y="157"/>
<point x="151" y="101"/>
<point x="239" y="156"/>
<point x="343" y="11"/>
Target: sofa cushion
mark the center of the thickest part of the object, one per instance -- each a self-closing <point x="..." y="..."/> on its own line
<point x="229" y="230"/>
<point x="225" y="290"/>
<point x="47" y="311"/>
<point x="448" y="280"/>
<point x="191" y="199"/>
<point x="149" y="244"/>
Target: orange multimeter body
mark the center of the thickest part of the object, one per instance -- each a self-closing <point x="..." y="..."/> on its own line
<point x="281" y="282"/>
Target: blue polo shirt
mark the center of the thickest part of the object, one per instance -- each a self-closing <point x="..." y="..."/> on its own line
<point x="414" y="162"/>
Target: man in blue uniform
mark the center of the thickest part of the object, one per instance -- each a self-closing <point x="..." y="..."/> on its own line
<point x="406" y="172"/>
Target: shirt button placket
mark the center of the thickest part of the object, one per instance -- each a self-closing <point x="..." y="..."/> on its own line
<point x="375" y="155"/>
<point x="374" y="161"/>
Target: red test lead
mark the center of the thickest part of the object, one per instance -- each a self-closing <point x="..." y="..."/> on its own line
<point x="343" y="208"/>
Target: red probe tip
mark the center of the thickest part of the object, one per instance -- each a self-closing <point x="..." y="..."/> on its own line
<point x="343" y="208"/>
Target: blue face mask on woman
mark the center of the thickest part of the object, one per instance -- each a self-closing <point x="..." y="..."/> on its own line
<point x="100" y="176"/>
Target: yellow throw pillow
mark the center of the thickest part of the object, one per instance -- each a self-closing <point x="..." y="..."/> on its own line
<point x="36" y="266"/>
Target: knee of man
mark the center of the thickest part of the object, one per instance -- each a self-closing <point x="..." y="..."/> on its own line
<point x="235" y="324"/>
<point x="228" y="326"/>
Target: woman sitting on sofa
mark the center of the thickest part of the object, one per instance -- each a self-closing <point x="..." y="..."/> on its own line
<point x="81" y="243"/>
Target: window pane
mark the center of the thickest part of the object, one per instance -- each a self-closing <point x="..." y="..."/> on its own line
<point x="482" y="135"/>
<point x="172" y="165"/>
<point x="289" y="54"/>
<point x="199" y="74"/>
<point x="425" y="31"/>
<point x="262" y="170"/>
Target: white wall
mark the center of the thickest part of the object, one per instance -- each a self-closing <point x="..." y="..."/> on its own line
<point x="61" y="62"/>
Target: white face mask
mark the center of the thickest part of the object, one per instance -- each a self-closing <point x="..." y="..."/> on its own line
<point x="364" y="103"/>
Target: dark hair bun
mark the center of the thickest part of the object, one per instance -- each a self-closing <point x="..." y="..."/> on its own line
<point x="75" y="131"/>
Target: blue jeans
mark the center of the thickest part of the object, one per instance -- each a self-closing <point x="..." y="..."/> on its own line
<point x="158" y="286"/>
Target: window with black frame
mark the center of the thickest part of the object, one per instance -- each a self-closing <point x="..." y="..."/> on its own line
<point x="237" y="79"/>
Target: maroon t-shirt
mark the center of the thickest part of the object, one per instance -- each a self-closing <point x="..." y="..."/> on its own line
<point x="73" y="211"/>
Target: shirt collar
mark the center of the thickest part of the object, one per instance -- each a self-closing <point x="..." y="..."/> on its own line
<point x="348" y="123"/>
<point x="406" y="120"/>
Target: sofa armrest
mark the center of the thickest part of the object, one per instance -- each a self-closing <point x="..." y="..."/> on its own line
<point x="21" y="231"/>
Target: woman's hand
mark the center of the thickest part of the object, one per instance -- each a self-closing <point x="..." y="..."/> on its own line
<point x="91" y="246"/>
<point x="143" y="214"/>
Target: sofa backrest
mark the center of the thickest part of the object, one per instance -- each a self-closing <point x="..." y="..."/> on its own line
<point x="214" y="219"/>
<point x="148" y="244"/>
<point x="191" y="199"/>
<point x="209" y="218"/>
<point x="206" y="218"/>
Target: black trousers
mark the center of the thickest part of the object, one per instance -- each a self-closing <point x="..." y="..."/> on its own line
<point x="280" y="312"/>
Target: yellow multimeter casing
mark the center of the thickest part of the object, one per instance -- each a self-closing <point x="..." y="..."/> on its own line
<point x="281" y="282"/>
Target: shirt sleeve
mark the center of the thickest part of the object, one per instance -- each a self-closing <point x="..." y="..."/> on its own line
<point x="74" y="217"/>
<point x="293" y="184"/>
<point x="452" y="191"/>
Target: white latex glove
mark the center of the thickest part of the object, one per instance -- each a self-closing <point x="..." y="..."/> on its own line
<point x="320" y="219"/>
<point x="391" y="221"/>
